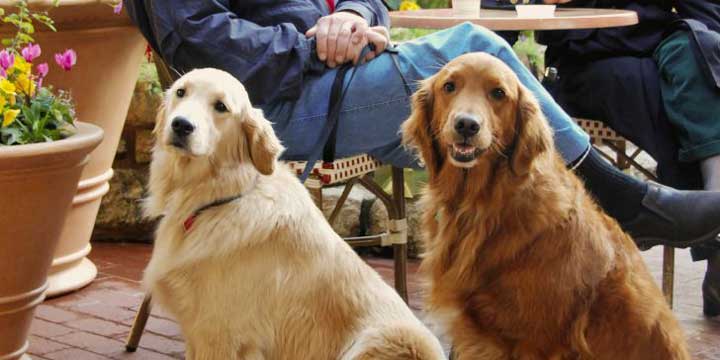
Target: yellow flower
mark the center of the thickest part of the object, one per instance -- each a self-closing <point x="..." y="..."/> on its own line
<point x="7" y="87"/>
<point x="3" y="102"/>
<point x="409" y="5"/>
<point x="21" y="65"/>
<point x="9" y="117"/>
<point x="25" y="84"/>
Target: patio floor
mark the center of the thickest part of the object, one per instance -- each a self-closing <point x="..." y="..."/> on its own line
<point x="93" y="323"/>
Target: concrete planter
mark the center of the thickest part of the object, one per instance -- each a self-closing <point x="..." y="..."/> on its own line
<point x="38" y="182"/>
<point x="109" y="52"/>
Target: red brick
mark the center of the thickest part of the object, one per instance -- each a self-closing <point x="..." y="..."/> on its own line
<point x="120" y="298"/>
<point x="40" y="346"/>
<point x="163" y="327"/>
<point x="97" y="326"/>
<point x="95" y="343"/>
<point x="74" y="354"/>
<point x="105" y="312"/>
<point x="142" y="354"/>
<point x="54" y="314"/>
<point x="47" y="329"/>
<point x="161" y="344"/>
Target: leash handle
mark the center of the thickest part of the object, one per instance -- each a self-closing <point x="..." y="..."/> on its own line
<point x="327" y="140"/>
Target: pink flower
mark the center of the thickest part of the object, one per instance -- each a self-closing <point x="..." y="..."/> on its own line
<point x="31" y="52"/>
<point x="67" y="59"/>
<point x="117" y="8"/>
<point x="42" y="70"/>
<point x="6" y="59"/>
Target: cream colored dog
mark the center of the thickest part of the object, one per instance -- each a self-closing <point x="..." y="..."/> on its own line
<point x="243" y="259"/>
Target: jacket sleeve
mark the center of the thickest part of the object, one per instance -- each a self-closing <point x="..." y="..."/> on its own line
<point x="705" y="11"/>
<point x="374" y="11"/>
<point x="270" y="60"/>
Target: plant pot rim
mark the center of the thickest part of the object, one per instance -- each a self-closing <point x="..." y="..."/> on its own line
<point x="85" y="135"/>
<point x="72" y="15"/>
<point x="49" y="3"/>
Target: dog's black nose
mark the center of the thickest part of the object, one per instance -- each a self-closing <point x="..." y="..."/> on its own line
<point x="181" y="126"/>
<point x="466" y="125"/>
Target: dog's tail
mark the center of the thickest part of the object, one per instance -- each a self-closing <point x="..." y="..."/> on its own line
<point x="396" y="341"/>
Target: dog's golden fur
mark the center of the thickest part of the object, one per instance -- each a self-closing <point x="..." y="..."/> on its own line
<point x="264" y="276"/>
<point x="522" y="264"/>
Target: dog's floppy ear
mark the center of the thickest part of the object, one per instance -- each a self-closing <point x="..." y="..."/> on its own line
<point x="417" y="130"/>
<point x="532" y="133"/>
<point x="263" y="144"/>
<point x="159" y="183"/>
<point x="159" y="120"/>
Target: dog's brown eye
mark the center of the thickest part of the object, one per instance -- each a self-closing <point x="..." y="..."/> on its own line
<point x="220" y="107"/>
<point x="497" y="94"/>
<point x="180" y="92"/>
<point x="449" y="87"/>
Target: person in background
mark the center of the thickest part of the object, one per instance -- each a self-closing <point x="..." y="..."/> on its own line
<point x="658" y="84"/>
<point x="289" y="53"/>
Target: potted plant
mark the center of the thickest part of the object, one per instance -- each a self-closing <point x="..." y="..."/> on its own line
<point x="110" y="49"/>
<point x="42" y="153"/>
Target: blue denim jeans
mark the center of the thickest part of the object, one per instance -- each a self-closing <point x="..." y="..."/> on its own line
<point x="377" y="102"/>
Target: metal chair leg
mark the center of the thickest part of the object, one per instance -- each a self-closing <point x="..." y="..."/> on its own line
<point x="314" y="186"/>
<point x="400" y="255"/>
<point x="668" y="273"/>
<point x="139" y="324"/>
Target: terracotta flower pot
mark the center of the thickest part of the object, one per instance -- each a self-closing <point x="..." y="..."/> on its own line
<point x="37" y="182"/>
<point x="109" y="52"/>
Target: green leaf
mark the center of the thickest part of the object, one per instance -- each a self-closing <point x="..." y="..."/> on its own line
<point x="24" y="39"/>
<point x="11" y="136"/>
<point x="27" y="27"/>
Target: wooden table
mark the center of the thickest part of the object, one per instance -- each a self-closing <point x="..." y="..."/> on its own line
<point x="564" y="19"/>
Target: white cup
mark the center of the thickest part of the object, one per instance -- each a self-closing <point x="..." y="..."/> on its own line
<point x="466" y="8"/>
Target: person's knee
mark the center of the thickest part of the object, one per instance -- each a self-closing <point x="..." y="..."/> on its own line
<point x="478" y="34"/>
<point x="675" y="49"/>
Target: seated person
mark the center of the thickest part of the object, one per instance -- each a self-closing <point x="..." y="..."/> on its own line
<point x="287" y="54"/>
<point x="656" y="83"/>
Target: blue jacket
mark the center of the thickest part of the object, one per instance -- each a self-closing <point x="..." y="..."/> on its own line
<point x="701" y="17"/>
<point x="261" y="42"/>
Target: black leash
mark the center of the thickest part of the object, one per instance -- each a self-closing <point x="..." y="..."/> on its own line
<point x="190" y="220"/>
<point x="328" y="135"/>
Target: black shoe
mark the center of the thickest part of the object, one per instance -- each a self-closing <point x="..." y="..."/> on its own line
<point x="711" y="285"/>
<point x="711" y="299"/>
<point x="675" y="218"/>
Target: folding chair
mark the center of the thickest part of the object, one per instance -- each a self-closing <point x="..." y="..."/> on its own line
<point x="348" y="171"/>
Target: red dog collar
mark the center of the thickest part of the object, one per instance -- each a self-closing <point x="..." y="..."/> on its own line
<point x="190" y="220"/>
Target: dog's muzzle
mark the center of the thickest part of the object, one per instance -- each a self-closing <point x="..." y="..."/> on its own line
<point x="463" y="150"/>
<point x="181" y="130"/>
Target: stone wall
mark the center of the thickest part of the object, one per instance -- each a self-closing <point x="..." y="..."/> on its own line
<point x="120" y="217"/>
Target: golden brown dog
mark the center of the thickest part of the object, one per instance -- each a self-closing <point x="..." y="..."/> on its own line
<point x="522" y="263"/>
<point x="243" y="259"/>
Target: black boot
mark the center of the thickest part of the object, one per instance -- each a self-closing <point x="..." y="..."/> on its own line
<point x="651" y="213"/>
<point x="675" y="218"/>
<point x="711" y="286"/>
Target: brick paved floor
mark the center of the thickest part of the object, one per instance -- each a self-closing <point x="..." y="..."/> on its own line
<point x="93" y="323"/>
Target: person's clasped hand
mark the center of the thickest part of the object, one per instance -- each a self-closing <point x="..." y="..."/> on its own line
<point x="341" y="36"/>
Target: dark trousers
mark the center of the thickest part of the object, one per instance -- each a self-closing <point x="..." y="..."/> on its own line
<point x="635" y="96"/>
